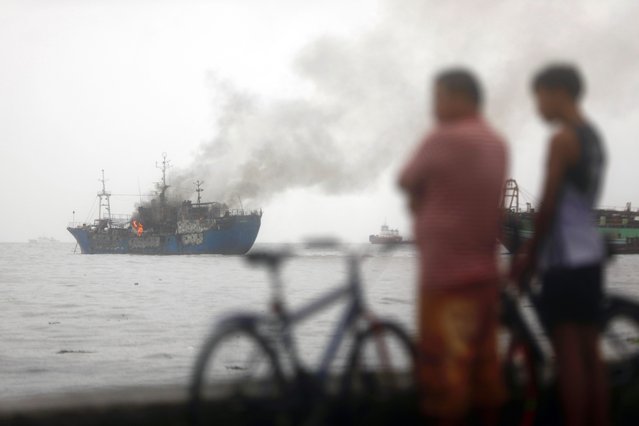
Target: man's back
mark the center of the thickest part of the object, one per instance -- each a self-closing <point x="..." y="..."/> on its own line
<point x="458" y="215"/>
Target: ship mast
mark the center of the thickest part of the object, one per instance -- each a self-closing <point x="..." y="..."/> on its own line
<point x="198" y="189"/>
<point x="511" y="196"/>
<point x="105" y="199"/>
<point x="164" y="166"/>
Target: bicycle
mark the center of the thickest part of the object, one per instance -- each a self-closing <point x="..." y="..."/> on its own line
<point x="273" y="383"/>
<point x="528" y="362"/>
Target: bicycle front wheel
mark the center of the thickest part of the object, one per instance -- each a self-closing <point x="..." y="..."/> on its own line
<point x="382" y="361"/>
<point x="237" y="379"/>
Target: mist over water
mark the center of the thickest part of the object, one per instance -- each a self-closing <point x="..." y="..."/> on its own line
<point x="366" y="98"/>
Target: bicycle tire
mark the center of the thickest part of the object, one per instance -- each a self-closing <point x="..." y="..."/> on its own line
<point x="265" y="405"/>
<point x="371" y="387"/>
<point x="621" y="344"/>
<point x="623" y="366"/>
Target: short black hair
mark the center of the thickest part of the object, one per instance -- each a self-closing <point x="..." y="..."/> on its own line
<point x="560" y="76"/>
<point x="461" y="81"/>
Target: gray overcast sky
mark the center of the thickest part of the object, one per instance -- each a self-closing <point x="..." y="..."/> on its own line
<point x="113" y="84"/>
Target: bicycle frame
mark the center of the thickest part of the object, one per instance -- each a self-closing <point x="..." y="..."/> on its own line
<point x="354" y="310"/>
<point x="512" y="314"/>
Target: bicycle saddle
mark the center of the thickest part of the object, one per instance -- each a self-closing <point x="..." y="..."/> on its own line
<point x="269" y="258"/>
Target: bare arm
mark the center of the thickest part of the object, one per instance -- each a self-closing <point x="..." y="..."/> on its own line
<point x="413" y="174"/>
<point x="414" y="177"/>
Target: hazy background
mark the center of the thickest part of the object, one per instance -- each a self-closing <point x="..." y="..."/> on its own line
<point x="304" y="108"/>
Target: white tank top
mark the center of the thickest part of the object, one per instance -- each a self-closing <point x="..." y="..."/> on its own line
<point x="574" y="240"/>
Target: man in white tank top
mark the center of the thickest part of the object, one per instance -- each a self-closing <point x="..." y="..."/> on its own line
<point x="567" y="248"/>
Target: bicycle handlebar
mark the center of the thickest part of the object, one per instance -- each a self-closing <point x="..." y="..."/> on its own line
<point x="275" y="257"/>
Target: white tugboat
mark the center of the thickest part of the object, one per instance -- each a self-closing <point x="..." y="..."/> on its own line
<point x="386" y="236"/>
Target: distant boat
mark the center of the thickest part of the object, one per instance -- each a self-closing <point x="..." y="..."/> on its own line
<point x="43" y="240"/>
<point x="386" y="236"/>
<point x="322" y="242"/>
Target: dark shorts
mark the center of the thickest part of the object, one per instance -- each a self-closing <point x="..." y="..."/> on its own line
<point x="572" y="296"/>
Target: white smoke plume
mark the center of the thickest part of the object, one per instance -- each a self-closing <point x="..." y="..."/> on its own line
<point x="368" y="97"/>
<point x="337" y="139"/>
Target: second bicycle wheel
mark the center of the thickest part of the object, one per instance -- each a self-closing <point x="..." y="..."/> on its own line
<point x="620" y="346"/>
<point x="237" y="380"/>
<point x="620" y="338"/>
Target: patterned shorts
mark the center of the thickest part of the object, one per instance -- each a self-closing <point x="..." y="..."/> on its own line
<point x="459" y="362"/>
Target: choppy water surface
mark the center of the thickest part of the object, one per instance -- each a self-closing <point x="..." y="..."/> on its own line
<point x="70" y="322"/>
<point x="73" y="322"/>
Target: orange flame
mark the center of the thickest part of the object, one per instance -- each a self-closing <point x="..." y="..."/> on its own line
<point x="137" y="226"/>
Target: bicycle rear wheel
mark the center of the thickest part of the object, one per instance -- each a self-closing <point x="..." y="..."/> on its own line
<point x="237" y="379"/>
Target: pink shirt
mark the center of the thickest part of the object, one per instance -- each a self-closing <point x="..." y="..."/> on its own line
<point x="456" y="180"/>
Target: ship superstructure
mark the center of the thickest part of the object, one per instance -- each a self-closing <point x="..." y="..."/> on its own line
<point x="619" y="227"/>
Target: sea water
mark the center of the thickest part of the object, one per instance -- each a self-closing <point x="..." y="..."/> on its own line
<point x="71" y="322"/>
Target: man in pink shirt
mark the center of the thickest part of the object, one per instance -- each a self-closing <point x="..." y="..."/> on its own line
<point x="454" y="183"/>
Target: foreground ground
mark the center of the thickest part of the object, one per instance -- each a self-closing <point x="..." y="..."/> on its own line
<point x="166" y="406"/>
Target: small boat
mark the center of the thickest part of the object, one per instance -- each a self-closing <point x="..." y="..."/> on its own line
<point x="386" y="236"/>
<point x="43" y="240"/>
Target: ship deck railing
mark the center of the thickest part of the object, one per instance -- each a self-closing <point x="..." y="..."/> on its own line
<point x="117" y="221"/>
<point x="242" y="212"/>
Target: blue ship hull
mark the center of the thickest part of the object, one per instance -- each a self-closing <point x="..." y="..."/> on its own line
<point x="233" y="235"/>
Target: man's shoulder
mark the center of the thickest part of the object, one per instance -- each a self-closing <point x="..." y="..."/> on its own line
<point x="564" y="135"/>
<point x="477" y="130"/>
<point x="564" y="144"/>
<point x="466" y="131"/>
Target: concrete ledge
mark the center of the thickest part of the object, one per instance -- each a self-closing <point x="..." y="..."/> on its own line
<point x="124" y="406"/>
<point x="166" y="406"/>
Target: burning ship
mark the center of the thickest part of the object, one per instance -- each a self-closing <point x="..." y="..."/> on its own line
<point x="619" y="227"/>
<point x="163" y="227"/>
